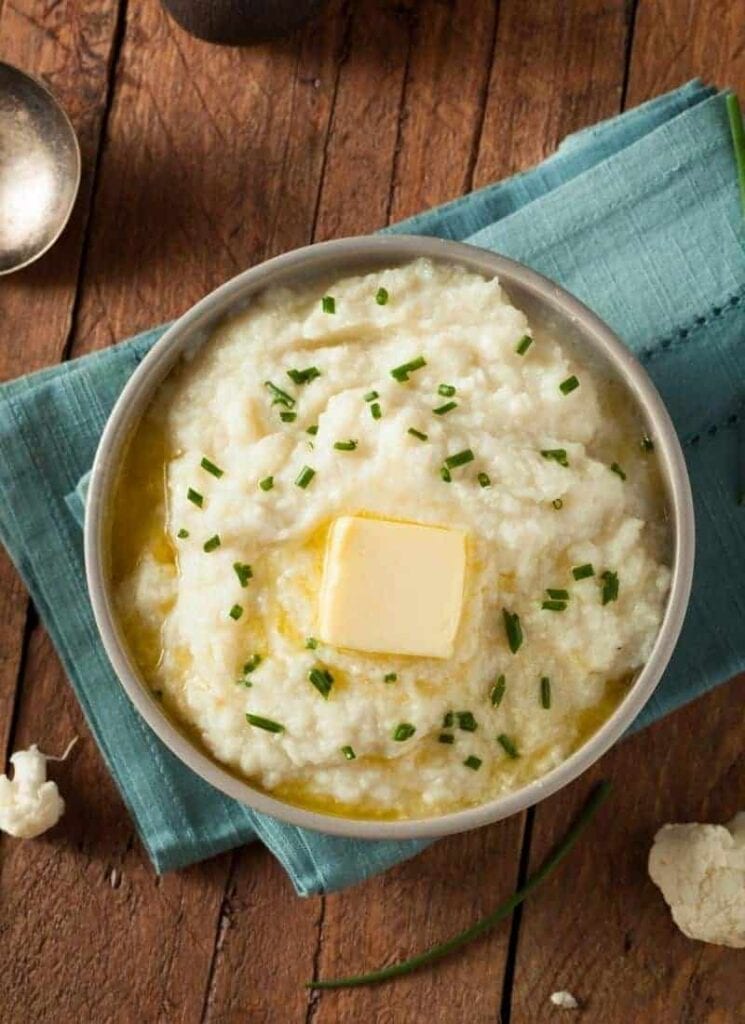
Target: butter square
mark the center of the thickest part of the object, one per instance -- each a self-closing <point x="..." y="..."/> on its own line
<point x="391" y="587"/>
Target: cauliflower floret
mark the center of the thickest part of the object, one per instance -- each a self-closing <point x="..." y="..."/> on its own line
<point x="29" y="804"/>
<point x="701" y="872"/>
<point x="564" y="1000"/>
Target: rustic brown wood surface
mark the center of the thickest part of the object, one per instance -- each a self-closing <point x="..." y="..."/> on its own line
<point x="200" y="161"/>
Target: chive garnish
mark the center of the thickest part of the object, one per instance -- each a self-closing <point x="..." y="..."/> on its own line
<point x="507" y="745"/>
<point x="448" y="720"/>
<point x="523" y="344"/>
<point x="267" y="483"/>
<point x="264" y="723"/>
<point x="212" y="543"/>
<point x="446" y="737"/>
<point x="401" y="373"/>
<point x="322" y="679"/>
<point x="484" y="479"/>
<point x="328" y="304"/>
<point x="582" y="572"/>
<point x="311" y="643"/>
<point x="403" y="731"/>
<point x="279" y="397"/>
<point x="312" y="429"/>
<point x="243" y="571"/>
<point x="459" y="459"/>
<point x="497" y="691"/>
<point x="348" y="753"/>
<point x="737" y="131"/>
<point x="375" y="411"/>
<point x="545" y="693"/>
<point x="381" y="296"/>
<point x="610" y="586"/>
<point x="557" y="454"/>
<point x="446" y="390"/>
<point x="445" y="474"/>
<point x="390" y="677"/>
<point x="442" y="409"/>
<point x="345" y="446"/>
<point x="434" y="953"/>
<point x="557" y="595"/>
<point x="253" y="662"/>
<point x="567" y="386"/>
<point x="371" y="396"/>
<point x="615" y="468"/>
<point x="195" y="497"/>
<point x="466" y="721"/>
<point x="211" y="467"/>
<point x="305" y="476"/>
<point x="182" y="534"/>
<point x="554" y="606"/>
<point x="513" y="630"/>
<point x="416" y="433"/>
<point x="472" y="762"/>
<point x="557" y="503"/>
<point x="288" y="417"/>
<point x="646" y="444"/>
<point x="304" y="376"/>
<point x="235" y="612"/>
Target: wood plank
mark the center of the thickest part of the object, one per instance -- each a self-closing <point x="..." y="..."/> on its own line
<point x="618" y="950"/>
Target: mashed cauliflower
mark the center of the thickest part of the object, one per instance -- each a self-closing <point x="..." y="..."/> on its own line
<point x="227" y="628"/>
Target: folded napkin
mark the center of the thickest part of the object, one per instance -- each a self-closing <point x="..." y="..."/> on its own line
<point x="639" y="217"/>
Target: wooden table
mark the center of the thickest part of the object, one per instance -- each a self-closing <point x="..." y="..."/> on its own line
<point x="198" y="162"/>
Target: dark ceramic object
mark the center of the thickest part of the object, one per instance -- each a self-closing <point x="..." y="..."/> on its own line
<point x="240" y="22"/>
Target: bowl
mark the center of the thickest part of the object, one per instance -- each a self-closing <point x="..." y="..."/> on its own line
<point x="547" y="306"/>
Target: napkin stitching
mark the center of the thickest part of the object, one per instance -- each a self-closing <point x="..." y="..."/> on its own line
<point x="682" y="334"/>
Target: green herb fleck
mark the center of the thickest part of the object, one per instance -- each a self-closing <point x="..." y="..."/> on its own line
<point x="264" y="723"/>
<point x="447" y="407"/>
<point x="375" y="411"/>
<point x="737" y="131"/>
<point x="371" y="396"/>
<point x="497" y="691"/>
<point x="195" y="497"/>
<point x="279" y="397"/>
<point x="182" y="534"/>
<point x="554" y="606"/>
<point x="403" y="731"/>
<point x="557" y="595"/>
<point x="243" y="571"/>
<point x="557" y="504"/>
<point x="513" y="629"/>
<point x="235" y="612"/>
<point x="288" y="417"/>
<point x="545" y="693"/>
<point x="466" y="721"/>
<point x="305" y="476"/>
<point x="417" y="433"/>
<point x="401" y="373"/>
<point x="304" y="376"/>
<point x="557" y="454"/>
<point x="252" y="664"/>
<point x="211" y="467"/>
<point x="583" y="572"/>
<point x="446" y="390"/>
<point x="472" y="762"/>
<point x="212" y="543"/>
<point x="322" y="679"/>
<point x="569" y="385"/>
<point x="312" y="429"/>
<point x="390" y="677"/>
<point x="615" y="468"/>
<point x="345" y="446"/>
<point x="267" y="483"/>
<point x="524" y="344"/>
<point x="381" y="296"/>
<point x="445" y="474"/>
<point x="484" y="479"/>
<point x="459" y="459"/>
<point x="610" y="586"/>
<point x="348" y="753"/>
<point x="311" y="643"/>
<point x="507" y="745"/>
<point x="448" y="720"/>
<point x="446" y="737"/>
<point x="328" y="304"/>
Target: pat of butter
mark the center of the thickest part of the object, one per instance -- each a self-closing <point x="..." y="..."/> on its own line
<point x="392" y="588"/>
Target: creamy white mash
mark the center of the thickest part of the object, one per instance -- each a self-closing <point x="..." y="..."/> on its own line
<point x="559" y="481"/>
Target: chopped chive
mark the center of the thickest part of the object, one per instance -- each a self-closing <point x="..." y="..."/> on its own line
<point x="466" y="721"/>
<point x="390" y="677"/>
<point x="279" y="397"/>
<point x="304" y="376"/>
<point x="328" y="304"/>
<point x="403" y="731"/>
<point x="610" y="586"/>
<point x="557" y="595"/>
<point x="211" y="467"/>
<point x="583" y="572"/>
<point x="484" y="479"/>
<point x="288" y="417"/>
<point x="557" y="503"/>
<point x="345" y="446"/>
<point x="737" y="131"/>
<point x="322" y="679"/>
<point x="446" y="390"/>
<point x="447" y="407"/>
<point x="416" y="433"/>
<point x="507" y="745"/>
<point x="545" y="693"/>
<point x="305" y="476"/>
<point x="497" y="691"/>
<point x="182" y="534"/>
<point x="523" y="344"/>
<point x="401" y="373"/>
<point x="311" y="643"/>
<point x="513" y="630"/>
<point x="312" y="429"/>
<point x="557" y="454"/>
<point x="448" y="720"/>
<point x="195" y="497"/>
<point x="235" y="612"/>
<point x="375" y="411"/>
<point x="569" y="385"/>
<point x="446" y="737"/>
<point x="459" y="459"/>
<point x="267" y="483"/>
<point x="472" y="762"/>
<point x="646" y="444"/>
<point x="371" y="396"/>
<point x="212" y="543"/>
<point x="243" y="571"/>
<point x="381" y="296"/>
<point x="615" y="468"/>
<point x="554" y="606"/>
<point x="348" y="753"/>
<point x="252" y="664"/>
<point x="244" y="682"/>
<point x="264" y="723"/>
<point x="445" y="474"/>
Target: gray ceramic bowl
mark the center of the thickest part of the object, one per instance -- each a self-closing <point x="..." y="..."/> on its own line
<point x="547" y="306"/>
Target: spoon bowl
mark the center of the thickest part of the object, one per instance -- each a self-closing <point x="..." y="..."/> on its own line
<point x="39" y="169"/>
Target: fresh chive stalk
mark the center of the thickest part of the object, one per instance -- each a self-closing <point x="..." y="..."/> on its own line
<point x="557" y="595"/>
<point x="583" y="572"/>
<point x="243" y="571"/>
<point x="523" y="344"/>
<point x="507" y="745"/>
<point x="557" y="455"/>
<point x="252" y="664"/>
<point x="513" y="629"/>
<point x="212" y="543"/>
<point x="312" y="429"/>
<point x="497" y="691"/>
<point x="381" y="296"/>
<point x="445" y="474"/>
<point x="466" y="721"/>
<point x="235" y="612"/>
<point x="446" y="737"/>
<point x="267" y="483"/>
<point x="446" y="390"/>
<point x="195" y="497"/>
<point x="345" y="446"/>
<point x="417" y="433"/>
<point x="403" y="731"/>
<point x="305" y="476"/>
<point x="211" y="467"/>
<point x="484" y="480"/>
<point x="615" y="468"/>
<point x="545" y="693"/>
<point x="311" y="643"/>
<point x="348" y="753"/>
<point x="554" y="606"/>
<point x="459" y="459"/>
<point x="304" y="376"/>
<point x="448" y="720"/>
<point x="401" y="373"/>
<point x="182" y="534"/>
<point x="472" y="762"/>
<point x="738" y="142"/>
<point x="279" y="397"/>
<point x="264" y="723"/>
<point x="610" y="586"/>
<point x="557" y="504"/>
<point x="322" y="679"/>
<point x="390" y="677"/>
<point x="287" y="416"/>
<point x="328" y="304"/>
<point x="371" y="396"/>
<point x="375" y="411"/>
<point x="569" y="385"/>
<point x="441" y="410"/>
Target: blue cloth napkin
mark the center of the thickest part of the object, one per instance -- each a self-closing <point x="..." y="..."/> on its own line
<point x="639" y="217"/>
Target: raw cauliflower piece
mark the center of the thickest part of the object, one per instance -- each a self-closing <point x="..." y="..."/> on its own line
<point x="701" y="872"/>
<point x="29" y="804"/>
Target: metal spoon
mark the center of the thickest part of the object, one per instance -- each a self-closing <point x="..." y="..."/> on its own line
<point x="39" y="169"/>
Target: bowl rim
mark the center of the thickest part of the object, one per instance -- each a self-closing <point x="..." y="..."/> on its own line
<point x="394" y="248"/>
